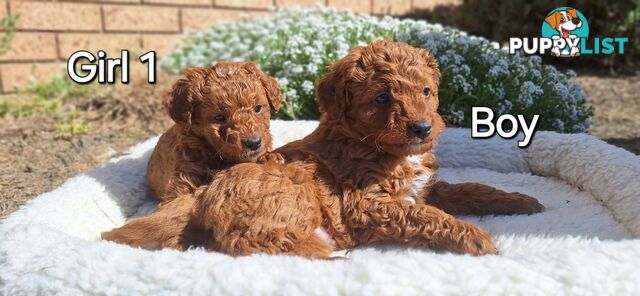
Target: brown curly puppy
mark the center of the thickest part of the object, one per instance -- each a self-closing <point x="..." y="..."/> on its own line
<point x="221" y="116"/>
<point x="349" y="183"/>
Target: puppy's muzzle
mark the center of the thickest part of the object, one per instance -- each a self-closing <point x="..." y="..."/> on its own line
<point x="252" y="143"/>
<point x="420" y="129"/>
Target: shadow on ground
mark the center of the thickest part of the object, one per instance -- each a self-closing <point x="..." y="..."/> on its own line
<point x="630" y="144"/>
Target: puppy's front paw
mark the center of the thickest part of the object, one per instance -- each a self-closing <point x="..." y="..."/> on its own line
<point x="114" y="236"/>
<point x="271" y="157"/>
<point x="120" y="237"/>
<point x="475" y="241"/>
<point x="519" y="203"/>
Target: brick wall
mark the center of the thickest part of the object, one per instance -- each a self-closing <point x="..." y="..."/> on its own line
<point x="49" y="31"/>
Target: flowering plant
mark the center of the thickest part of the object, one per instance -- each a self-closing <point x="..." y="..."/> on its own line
<point x="296" y="46"/>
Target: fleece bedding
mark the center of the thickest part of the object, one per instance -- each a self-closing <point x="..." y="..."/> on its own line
<point x="584" y="243"/>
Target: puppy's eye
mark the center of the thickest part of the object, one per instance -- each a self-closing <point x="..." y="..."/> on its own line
<point x="219" y="118"/>
<point x="258" y="109"/>
<point x="562" y="19"/>
<point x="383" y="99"/>
<point x="426" y="91"/>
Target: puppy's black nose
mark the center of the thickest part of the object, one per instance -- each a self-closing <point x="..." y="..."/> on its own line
<point x="252" y="143"/>
<point x="420" y="129"/>
<point x="575" y="21"/>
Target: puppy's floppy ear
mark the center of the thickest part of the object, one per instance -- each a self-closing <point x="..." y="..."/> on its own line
<point x="553" y="20"/>
<point x="270" y="85"/>
<point x="185" y="94"/>
<point x="431" y="63"/>
<point x="272" y="88"/>
<point x="331" y="90"/>
<point x="572" y="13"/>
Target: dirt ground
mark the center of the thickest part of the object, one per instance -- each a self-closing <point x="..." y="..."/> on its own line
<point x="617" y="109"/>
<point x="33" y="159"/>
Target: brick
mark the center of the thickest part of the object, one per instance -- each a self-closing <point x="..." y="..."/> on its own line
<point x="245" y="3"/>
<point x="57" y="16"/>
<point x="31" y="46"/>
<point x="258" y="14"/>
<point x="355" y="6"/>
<point x="110" y="43"/>
<point x="301" y="3"/>
<point x="3" y="9"/>
<point x="141" y="18"/>
<point x="181" y="2"/>
<point x="121" y="1"/>
<point x="198" y="20"/>
<point x="162" y="44"/>
<point x="431" y="4"/>
<point x="392" y="7"/>
<point x="17" y="75"/>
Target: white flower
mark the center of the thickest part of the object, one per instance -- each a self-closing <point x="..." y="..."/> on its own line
<point x="528" y="93"/>
<point x="282" y="81"/>
<point x="291" y="93"/>
<point x="312" y="68"/>
<point x="459" y="115"/>
<point x="559" y="124"/>
<point x="561" y="90"/>
<point x="307" y="86"/>
<point x="536" y="59"/>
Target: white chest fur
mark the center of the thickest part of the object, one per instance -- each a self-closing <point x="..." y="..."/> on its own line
<point x="420" y="180"/>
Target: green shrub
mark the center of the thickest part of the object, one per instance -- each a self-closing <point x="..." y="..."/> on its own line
<point x="43" y="97"/>
<point x="296" y="46"/>
<point x="51" y="97"/>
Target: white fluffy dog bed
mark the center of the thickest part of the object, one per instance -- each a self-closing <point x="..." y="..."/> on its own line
<point x="584" y="243"/>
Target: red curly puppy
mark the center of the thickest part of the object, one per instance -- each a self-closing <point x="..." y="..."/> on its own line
<point x="221" y="116"/>
<point x="349" y="183"/>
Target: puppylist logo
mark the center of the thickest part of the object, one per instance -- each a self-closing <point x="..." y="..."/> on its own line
<point x="565" y="33"/>
<point x="566" y="27"/>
